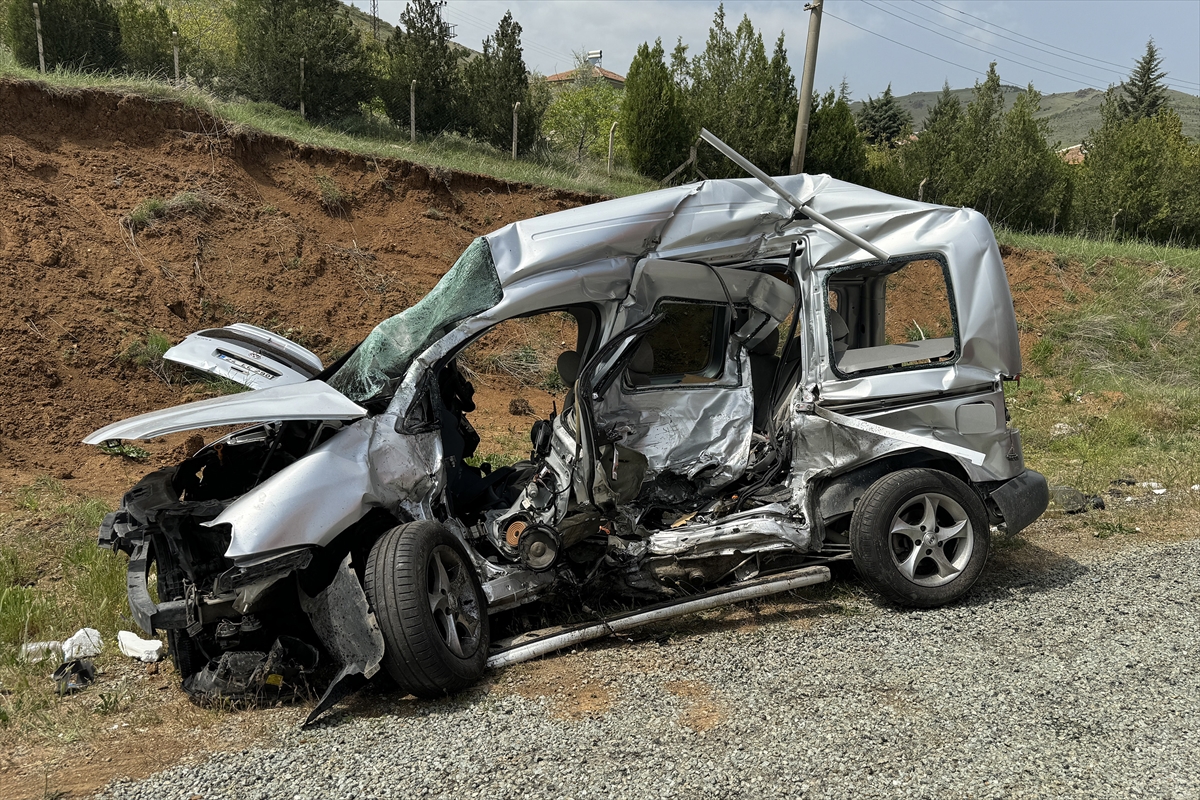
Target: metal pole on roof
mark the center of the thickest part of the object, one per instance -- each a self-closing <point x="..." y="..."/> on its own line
<point x="806" y="87"/>
<point x="792" y="200"/>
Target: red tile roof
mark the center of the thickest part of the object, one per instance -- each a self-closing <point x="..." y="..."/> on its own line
<point x="597" y="72"/>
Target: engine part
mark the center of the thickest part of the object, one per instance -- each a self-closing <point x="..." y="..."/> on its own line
<point x="538" y="547"/>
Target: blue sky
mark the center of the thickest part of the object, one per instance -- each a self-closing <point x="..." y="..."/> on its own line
<point x="1104" y="37"/>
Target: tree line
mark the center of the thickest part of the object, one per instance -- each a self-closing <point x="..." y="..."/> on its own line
<point x="1140" y="176"/>
<point x="253" y="49"/>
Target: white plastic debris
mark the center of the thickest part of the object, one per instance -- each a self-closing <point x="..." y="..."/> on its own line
<point x="1160" y="491"/>
<point x="145" y="650"/>
<point x="33" y="652"/>
<point x="84" y="644"/>
<point x="1150" y="485"/>
<point x="1196" y="487"/>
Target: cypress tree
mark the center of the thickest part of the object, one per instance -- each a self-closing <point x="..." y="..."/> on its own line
<point x="883" y="120"/>
<point x="419" y="49"/>
<point x="654" y="122"/>
<point x="81" y="34"/>
<point x="495" y="81"/>
<point x="1144" y="93"/>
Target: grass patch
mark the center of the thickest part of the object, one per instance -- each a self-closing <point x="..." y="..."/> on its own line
<point x="148" y="352"/>
<point x="333" y="199"/>
<point x="361" y="134"/>
<point x="54" y="580"/>
<point x="197" y="204"/>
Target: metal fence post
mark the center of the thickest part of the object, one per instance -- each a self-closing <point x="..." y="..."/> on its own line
<point x="412" y="113"/>
<point x="175" y="45"/>
<point x="37" y="22"/>
<point x="611" y="133"/>
<point x="515" y="109"/>
<point x="301" y="87"/>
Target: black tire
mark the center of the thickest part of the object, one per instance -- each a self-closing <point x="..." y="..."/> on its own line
<point x="434" y="645"/>
<point x="897" y="554"/>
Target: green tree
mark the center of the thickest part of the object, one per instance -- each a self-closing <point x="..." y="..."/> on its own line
<point x="835" y="145"/>
<point x="419" y="49"/>
<point x="581" y="114"/>
<point x="146" y="38"/>
<point x="272" y="37"/>
<point x="81" y="34"/>
<point x="738" y="93"/>
<point x="655" y="124"/>
<point x="495" y="81"/>
<point x="883" y="120"/>
<point x="1023" y="180"/>
<point x="975" y="143"/>
<point x="1139" y="178"/>
<point x="1144" y="94"/>
<point x="935" y="156"/>
<point x="207" y="39"/>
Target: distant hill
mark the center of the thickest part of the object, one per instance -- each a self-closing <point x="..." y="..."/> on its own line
<point x="362" y="21"/>
<point x="1071" y="114"/>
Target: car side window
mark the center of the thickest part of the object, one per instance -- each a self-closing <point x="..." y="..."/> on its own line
<point x="890" y="316"/>
<point x="687" y="347"/>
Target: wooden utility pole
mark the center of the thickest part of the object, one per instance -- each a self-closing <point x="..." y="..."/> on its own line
<point x="611" y="132"/>
<point x="412" y="113"/>
<point x="301" y="87"/>
<point x="806" y="86"/>
<point x="516" y="108"/>
<point x="37" y="21"/>
<point x="175" y="44"/>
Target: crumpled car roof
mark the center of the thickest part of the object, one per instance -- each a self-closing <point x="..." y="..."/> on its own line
<point x="595" y="248"/>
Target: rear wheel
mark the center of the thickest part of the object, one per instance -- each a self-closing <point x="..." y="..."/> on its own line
<point x="430" y="608"/>
<point x="920" y="537"/>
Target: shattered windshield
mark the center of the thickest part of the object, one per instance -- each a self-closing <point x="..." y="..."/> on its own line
<point x="470" y="287"/>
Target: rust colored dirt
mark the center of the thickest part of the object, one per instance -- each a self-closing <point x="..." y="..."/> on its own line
<point x="78" y="289"/>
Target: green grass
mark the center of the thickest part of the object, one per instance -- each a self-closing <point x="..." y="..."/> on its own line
<point x="1119" y="375"/>
<point x="369" y="137"/>
<point x="149" y="211"/>
<point x="147" y="353"/>
<point x="1089" y="251"/>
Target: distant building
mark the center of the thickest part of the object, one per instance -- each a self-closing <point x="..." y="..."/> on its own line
<point x="1073" y="154"/>
<point x="594" y="56"/>
<point x="563" y="78"/>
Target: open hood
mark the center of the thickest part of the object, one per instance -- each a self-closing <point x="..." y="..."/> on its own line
<point x="312" y="400"/>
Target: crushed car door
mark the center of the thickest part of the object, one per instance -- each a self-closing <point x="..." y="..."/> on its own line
<point x="682" y="394"/>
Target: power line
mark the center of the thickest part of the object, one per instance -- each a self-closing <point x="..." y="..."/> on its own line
<point x="1006" y="38"/>
<point x="1121" y="67"/>
<point x="985" y="52"/>
<point x="902" y="44"/>
<point x="471" y="19"/>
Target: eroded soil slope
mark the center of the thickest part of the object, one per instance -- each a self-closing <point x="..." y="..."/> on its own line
<point x="259" y="242"/>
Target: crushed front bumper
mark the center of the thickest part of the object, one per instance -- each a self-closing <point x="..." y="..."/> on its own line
<point x="1021" y="500"/>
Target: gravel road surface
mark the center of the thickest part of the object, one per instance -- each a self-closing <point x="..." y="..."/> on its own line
<point x="1059" y="677"/>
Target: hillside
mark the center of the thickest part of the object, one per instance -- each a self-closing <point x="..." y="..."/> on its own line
<point x="362" y="21"/>
<point x="1070" y="114"/>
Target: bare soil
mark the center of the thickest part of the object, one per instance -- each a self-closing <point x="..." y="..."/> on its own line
<point x="79" y="286"/>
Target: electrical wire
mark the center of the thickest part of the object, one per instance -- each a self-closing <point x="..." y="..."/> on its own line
<point x="985" y="52"/>
<point x="973" y="70"/>
<point x="1039" y="41"/>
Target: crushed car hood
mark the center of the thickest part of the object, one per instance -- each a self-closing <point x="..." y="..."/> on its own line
<point x="310" y="400"/>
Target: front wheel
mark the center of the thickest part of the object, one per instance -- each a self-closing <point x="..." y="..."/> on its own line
<point x="920" y="537"/>
<point x="430" y="608"/>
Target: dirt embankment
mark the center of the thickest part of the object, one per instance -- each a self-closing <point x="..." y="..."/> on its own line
<point x="261" y="245"/>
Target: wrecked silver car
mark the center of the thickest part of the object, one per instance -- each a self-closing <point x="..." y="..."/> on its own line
<point x="767" y="375"/>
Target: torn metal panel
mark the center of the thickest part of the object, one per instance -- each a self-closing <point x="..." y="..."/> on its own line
<point x="347" y="628"/>
<point x="698" y="430"/>
<point x="752" y="531"/>
<point x="312" y="400"/>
